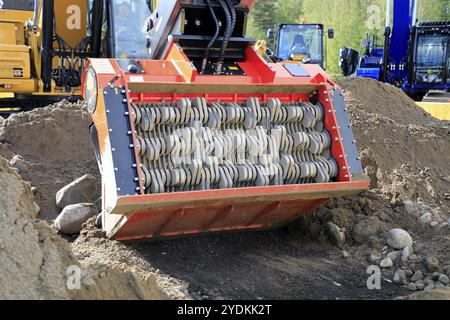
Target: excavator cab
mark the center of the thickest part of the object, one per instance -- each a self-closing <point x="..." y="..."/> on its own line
<point x="127" y="28"/>
<point x="301" y="43"/>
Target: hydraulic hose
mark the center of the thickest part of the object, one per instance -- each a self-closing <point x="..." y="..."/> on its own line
<point x="225" y="36"/>
<point x="213" y="40"/>
<point x="233" y="18"/>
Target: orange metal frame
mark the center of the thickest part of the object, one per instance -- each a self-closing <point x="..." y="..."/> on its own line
<point x="141" y="215"/>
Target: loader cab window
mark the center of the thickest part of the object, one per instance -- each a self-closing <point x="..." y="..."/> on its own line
<point x="128" y="27"/>
<point x="431" y="58"/>
<point x="25" y="5"/>
<point x="303" y="42"/>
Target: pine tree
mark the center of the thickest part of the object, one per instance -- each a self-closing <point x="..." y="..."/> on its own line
<point x="264" y="17"/>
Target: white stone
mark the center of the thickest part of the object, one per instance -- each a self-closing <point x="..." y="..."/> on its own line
<point x="71" y="219"/>
<point x="386" y="263"/>
<point x="82" y="190"/>
<point x="19" y="163"/>
<point x="426" y="218"/>
<point x="399" y="239"/>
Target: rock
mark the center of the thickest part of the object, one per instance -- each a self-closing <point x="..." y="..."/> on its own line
<point x="395" y="256"/>
<point x="409" y="273"/>
<point x="34" y="190"/>
<point x="432" y="264"/>
<point x="429" y="287"/>
<point x="399" y="239"/>
<point x="345" y="254"/>
<point x="426" y="218"/>
<point x="400" y="277"/>
<point x="82" y="190"/>
<point x="428" y="282"/>
<point x="406" y="253"/>
<point x="374" y="258"/>
<point x="19" y="163"/>
<point x="439" y="285"/>
<point x="435" y="276"/>
<point x="410" y="208"/>
<point x="413" y="258"/>
<point x="71" y="219"/>
<point x="337" y="235"/>
<point x="412" y="286"/>
<point x="98" y="221"/>
<point x="420" y="285"/>
<point x="1" y="120"/>
<point x="418" y="275"/>
<point x="444" y="279"/>
<point x="386" y="263"/>
<point x="447" y="270"/>
<point x="434" y="224"/>
<point x="37" y="209"/>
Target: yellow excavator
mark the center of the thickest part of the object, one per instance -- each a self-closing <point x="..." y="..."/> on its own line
<point x="44" y="45"/>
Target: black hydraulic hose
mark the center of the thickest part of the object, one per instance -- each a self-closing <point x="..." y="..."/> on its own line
<point x="213" y="40"/>
<point x="225" y="36"/>
<point x="233" y="18"/>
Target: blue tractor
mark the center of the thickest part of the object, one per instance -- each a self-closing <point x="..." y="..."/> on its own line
<point x="414" y="57"/>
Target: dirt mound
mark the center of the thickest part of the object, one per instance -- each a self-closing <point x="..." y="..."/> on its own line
<point x="55" y="142"/>
<point x="36" y="263"/>
<point x="91" y="247"/>
<point x="405" y="151"/>
<point x="33" y="259"/>
<point x="384" y="99"/>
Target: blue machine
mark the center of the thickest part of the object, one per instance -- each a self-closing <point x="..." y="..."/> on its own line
<point x="414" y="57"/>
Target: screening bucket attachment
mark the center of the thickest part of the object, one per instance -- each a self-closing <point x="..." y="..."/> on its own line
<point x="217" y="153"/>
<point x="200" y="140"/>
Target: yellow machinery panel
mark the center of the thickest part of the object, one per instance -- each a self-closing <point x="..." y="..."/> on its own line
<point x="71" y="21"/>
<point x="14" y="62"/>
<point x="440" y="111"/>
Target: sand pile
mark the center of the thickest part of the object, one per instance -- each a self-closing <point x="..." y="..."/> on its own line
<point x="33" y="260"/>
<point x="36" y="263"/>
<point x="405" y="150"/>
<point x="406" y="153"/>
<point x="55" y="142"/>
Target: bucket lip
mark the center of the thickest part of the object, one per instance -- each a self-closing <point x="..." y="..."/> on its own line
<point x="285" y="192"/>
<point x="177" y="203"/>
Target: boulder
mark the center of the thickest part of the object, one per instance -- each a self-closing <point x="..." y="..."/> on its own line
<point x="399" y="239"/>
<point x="82" y="190"/>
<point x="99" y="221"/>
<point x="444" y="279"/>
<point x="71" y="219"/>
<point x="386" y="263"/>
<point x="426" y="218"/>
<point x="395" y="256"/>
<point x="417" y="276"/>
<point x="400" y="277"/>
<point x="420" y="285"/>
<point x="337" y="235"/>
<point x="19" y="163"/>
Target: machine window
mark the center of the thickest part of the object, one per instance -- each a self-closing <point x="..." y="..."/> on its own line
<point x="129" y="18"/>
<point x="301" y="40"/>
<point x="431" y="58"/>
<point x="26" y="5"/>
